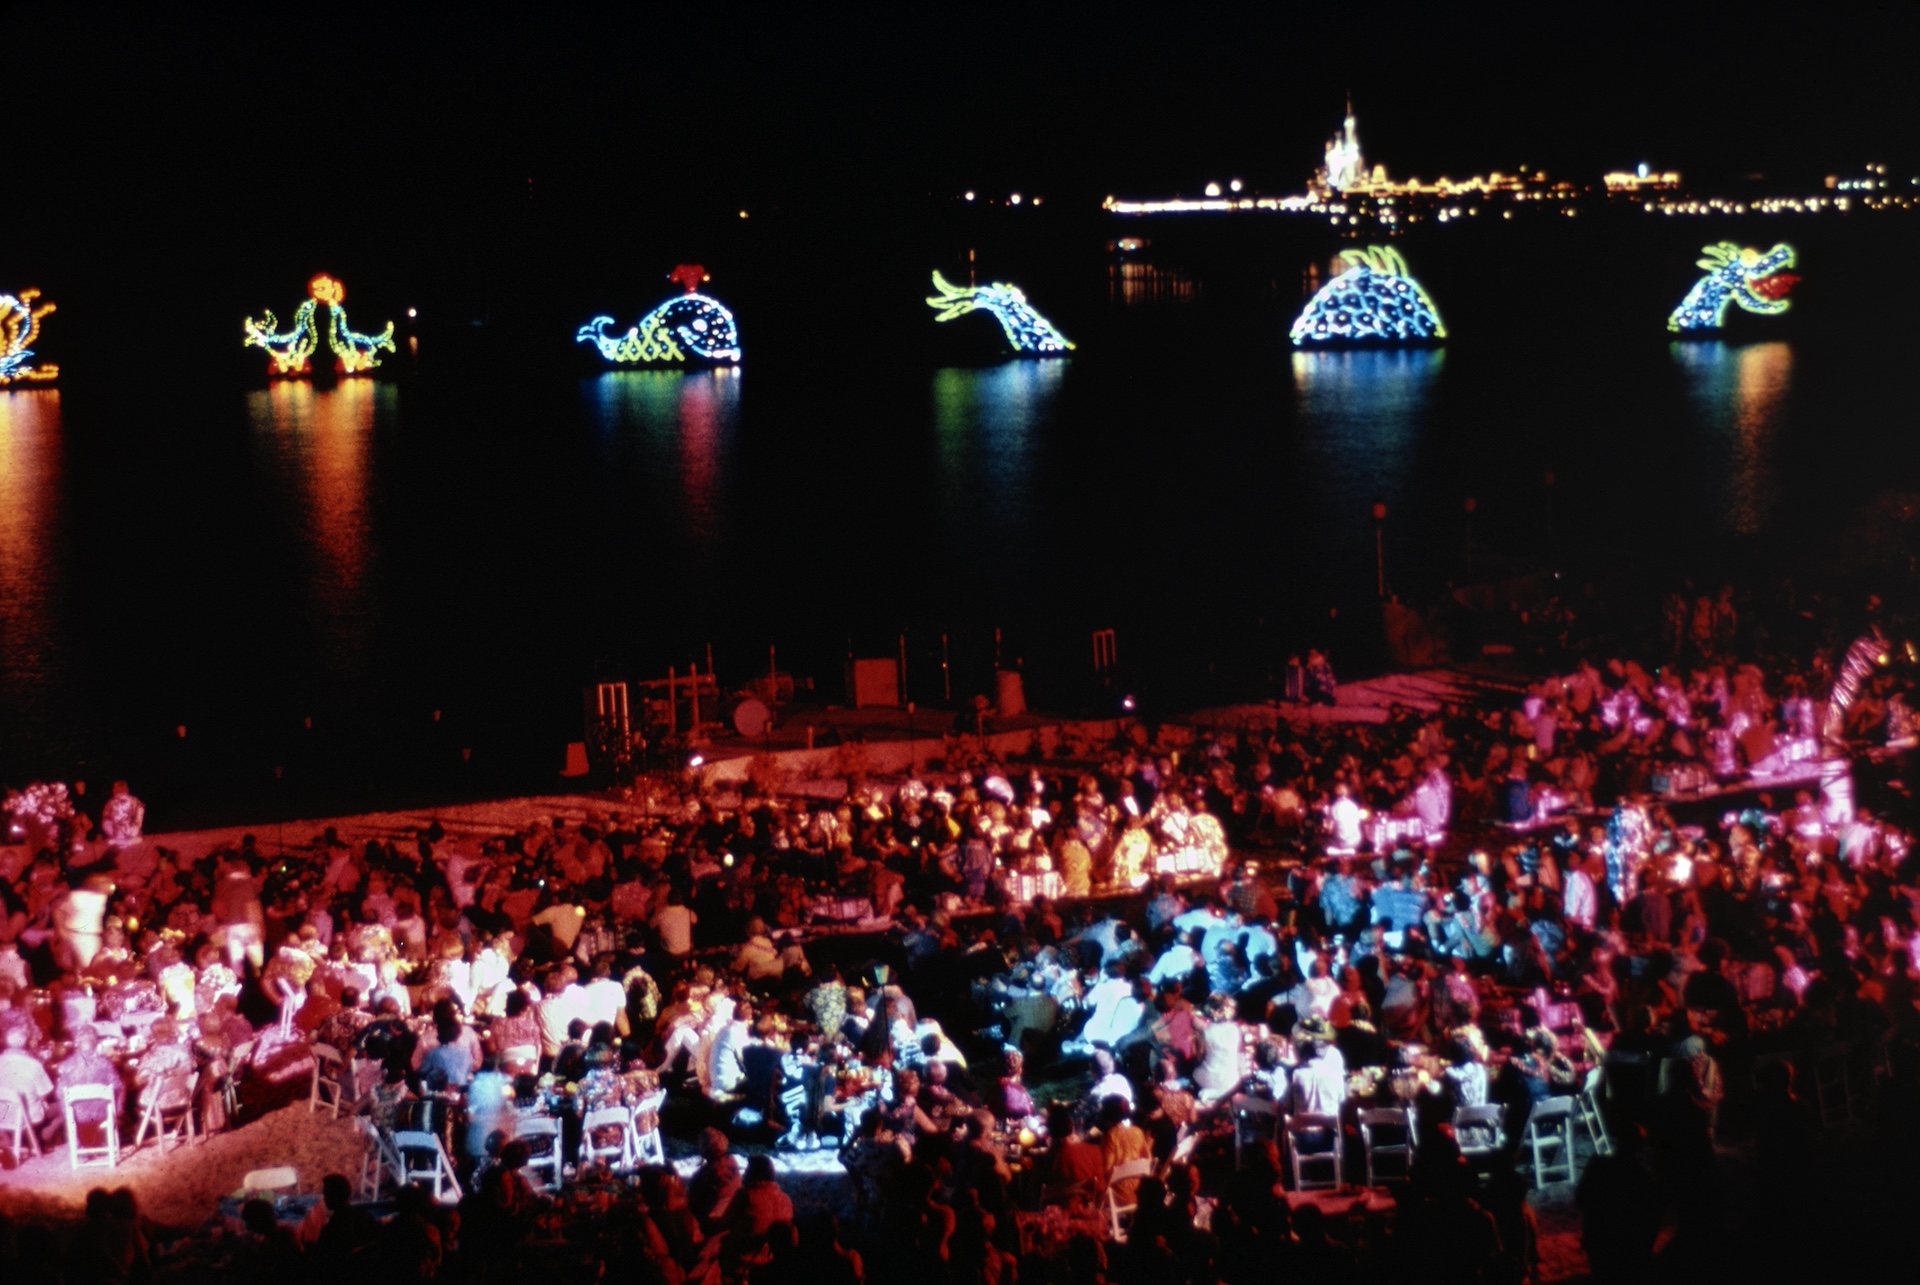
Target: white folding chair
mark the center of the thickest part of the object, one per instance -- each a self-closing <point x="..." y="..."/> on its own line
<point x="1120" y="1216"/>
<point x="108" y="1153"/>
<point x="260" y="1182"/>
<point x="606" y="1135"/>
<point x="1386" y="1133"/>
<point x="379" y="1162"/>
<point x="1549" y="1140"/>
<point x="236" y="1071"/>
<point x="1313" y="1141"/>
<point x="16" y="1126"/>
<point x="329" y="1087"/>
<point x="424" y="1159"/>
<point x="166" y="1107"/>
<point x="1480" y="1131"/>
<point x="1586" y="1105"/>
<point x="1254" y="1119"/>
<point x="649" y="1148"/>
<point x="536" y="1131"/>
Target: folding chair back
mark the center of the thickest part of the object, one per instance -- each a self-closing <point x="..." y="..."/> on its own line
<point x="1480" y="1131"/>
<point x="1386" y="1133"/>
<point x="1313" y="1142"/>
<point x="166" y="1107"/>
<point x="606" y="1135"/>
<point x="542" y="1136"/>
<point x="108" y="1153"/>
<point x="1119" y="1213"/>
<point x="329" y="1088"/>
<point x="649" y="1147"/>
<point x="1254" y="1120"/>
<point x="379" y="1162"/>
<point x="424" y="1159"/>
<point x="16" y="1127"/>
<point x="1549" y="1140"/>
<point x="1587" y="1107"/>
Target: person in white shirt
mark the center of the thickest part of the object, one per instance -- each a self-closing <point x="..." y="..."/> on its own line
<point x="1319" y="1084"/>
<point x="1314" y="997"/>
<point x="1346" y="817"/>
<point x="1221" y="1066"/>
<point x="1114" y="1010"/>
<point x="1581" y="903"/>
<point x="1179" y="961"/>
<point x="603" y="999"/>
<point x="564" y="1003"/>
<point x="726" y="1068"/>
<point x="1200" y="917"/>
<point x="1108" y="1082"/>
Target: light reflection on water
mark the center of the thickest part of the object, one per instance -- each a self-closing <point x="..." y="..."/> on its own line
<point x="1361" y="413"/>
<point x="318" y="443"/>
<point x="30" y="492"/>
<point x="684" y="420"/>
<point x="1131" y="283"/>
<point x="1740" y="391"/>
<point x="987" y="424"/>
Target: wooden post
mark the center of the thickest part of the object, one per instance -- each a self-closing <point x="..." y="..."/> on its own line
<point x="673" y="704"/>
<point x="693" y="685"/>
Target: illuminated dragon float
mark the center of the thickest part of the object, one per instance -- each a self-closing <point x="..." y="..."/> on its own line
<point x="687" y="327"/>
<point x="1028" y="333"/>
<point x="290" y="352"/>
<point x="19" y="327"/>
<point x="1756" y="282"/>
<point x="1372" y="301"/>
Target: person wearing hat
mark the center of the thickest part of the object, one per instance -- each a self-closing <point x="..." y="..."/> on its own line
<point x="1319" y="1082"/>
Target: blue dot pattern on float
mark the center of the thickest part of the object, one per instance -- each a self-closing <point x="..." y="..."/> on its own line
<point x="1755" y="281"/>
<point x="686" y="324"/>
<point x="1372" y="301"/>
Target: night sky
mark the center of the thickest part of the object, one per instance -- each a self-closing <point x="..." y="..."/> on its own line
<point x="214" y="151"/>
<point x="174" y="106"/>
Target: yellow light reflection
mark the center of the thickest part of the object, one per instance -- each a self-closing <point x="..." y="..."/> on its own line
<point x="322" y="440"/>
<point x="1742" y="389"/>
<point x="29" y="483"/>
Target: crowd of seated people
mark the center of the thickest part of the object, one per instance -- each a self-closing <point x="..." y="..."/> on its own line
<point x="1209" y="946"/>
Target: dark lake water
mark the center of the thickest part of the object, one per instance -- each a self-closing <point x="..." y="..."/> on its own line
<point x="438" y="562"/>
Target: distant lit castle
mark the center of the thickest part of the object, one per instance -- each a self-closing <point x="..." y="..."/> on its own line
<point x="1345" y="192"/>
<point x="1344" y="168"/>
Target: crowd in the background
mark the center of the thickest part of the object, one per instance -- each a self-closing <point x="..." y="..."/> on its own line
<point x="991" y="993"/>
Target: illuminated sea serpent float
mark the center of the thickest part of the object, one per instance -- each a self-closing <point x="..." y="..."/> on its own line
<point x="290" y="352"/>
<point x="20" y="326"/>
<point x="689" y="326"/>
<point x="1027" y="331"/>
<point x="1757" y="282"/>
<point x="1372" y="301"/>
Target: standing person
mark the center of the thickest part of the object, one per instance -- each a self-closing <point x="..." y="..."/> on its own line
<point x="673" y="923"/>
<point x="79" y="916"/>
<point x="241" y="921"/>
